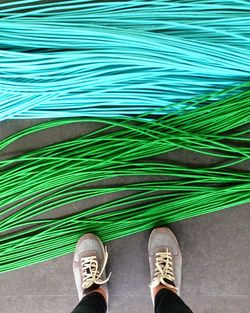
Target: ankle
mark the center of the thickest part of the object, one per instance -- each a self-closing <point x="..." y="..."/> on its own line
<point x="102" y="291"/>
<point x="156" y="289"/>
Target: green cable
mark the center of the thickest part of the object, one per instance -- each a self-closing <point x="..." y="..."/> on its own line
<point x="44" y="180"/>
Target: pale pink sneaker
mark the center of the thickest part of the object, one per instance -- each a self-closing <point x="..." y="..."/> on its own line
<point x="89" y="264"/>
<point x="164" y="260"/>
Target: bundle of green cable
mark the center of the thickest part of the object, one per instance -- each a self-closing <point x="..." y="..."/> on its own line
<point x="43" y="180"/>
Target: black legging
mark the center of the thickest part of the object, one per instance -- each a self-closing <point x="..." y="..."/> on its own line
<point x="166" y="301"/>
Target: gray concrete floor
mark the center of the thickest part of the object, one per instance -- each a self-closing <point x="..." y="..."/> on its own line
<point x="216" y="261"/>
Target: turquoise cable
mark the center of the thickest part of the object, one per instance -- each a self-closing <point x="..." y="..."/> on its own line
<point x="112" y="59"/>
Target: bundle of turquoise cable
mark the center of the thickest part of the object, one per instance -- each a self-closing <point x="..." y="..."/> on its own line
<point x="109" y="59"/>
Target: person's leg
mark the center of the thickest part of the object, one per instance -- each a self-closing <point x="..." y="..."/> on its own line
<point x="165" y="268"/>
<point x="92" y="303"/>
<point x="167" y="301"/>
<point x="89" y="263"/>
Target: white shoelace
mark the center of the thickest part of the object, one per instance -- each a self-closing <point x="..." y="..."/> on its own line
<point x="90" y="272"/>
<point x="163" y="270"/>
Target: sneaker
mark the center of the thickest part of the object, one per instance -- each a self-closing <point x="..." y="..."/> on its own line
<point x="164" y="260"/>
<point x="89" y="264"/>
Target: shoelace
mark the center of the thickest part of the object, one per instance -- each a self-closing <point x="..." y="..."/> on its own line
<point x="90" y="272"/>
<point x="163" y="270"/>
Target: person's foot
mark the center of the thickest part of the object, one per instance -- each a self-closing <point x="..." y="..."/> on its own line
<point x="89" y="263"/>
<point x="164" y="260"/>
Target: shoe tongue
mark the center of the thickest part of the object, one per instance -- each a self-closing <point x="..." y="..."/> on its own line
<point x="169" y="282"/>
